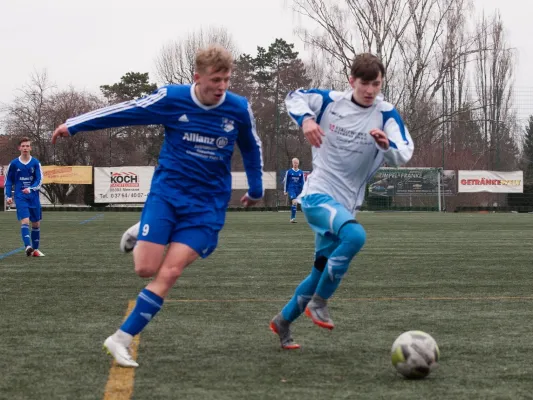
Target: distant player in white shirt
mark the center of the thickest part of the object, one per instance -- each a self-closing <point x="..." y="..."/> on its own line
<point x="353" y="134"/>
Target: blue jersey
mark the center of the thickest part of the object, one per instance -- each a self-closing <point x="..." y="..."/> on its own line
<point x="195" y="159"/>
<point x="294" y="182"/>
<point x="22" y="175"/>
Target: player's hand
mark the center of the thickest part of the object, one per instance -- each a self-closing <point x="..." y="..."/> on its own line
<point x="61" y="130"/>
<point x="313" y="132"/>
<point x="285" y="193"/>
<point x="247" y="202"/>
<point x="26" y="191"/>
<point x="381" y="138"/>
<point x="9" y="200"/>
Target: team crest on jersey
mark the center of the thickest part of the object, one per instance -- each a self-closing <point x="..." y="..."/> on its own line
<point x="228" y="125"/>
<point x="221" y="142"/>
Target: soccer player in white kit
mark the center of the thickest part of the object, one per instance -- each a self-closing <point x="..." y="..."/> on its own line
<point x="353" y="133"/>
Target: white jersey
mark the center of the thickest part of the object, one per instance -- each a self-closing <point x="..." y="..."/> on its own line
<point x="349" y="155"/>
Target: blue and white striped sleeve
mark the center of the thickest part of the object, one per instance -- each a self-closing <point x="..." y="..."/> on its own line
<point x="401" y="146"/>
<point x="252" y="155"/>
<point x="9" y="180"/>
<point x="148" y="110"/>
<point x="286" y="181"/>
<point x="302" y="104"/>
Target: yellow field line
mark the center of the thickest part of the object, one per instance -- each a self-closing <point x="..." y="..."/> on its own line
<point x="120" y="382"/>
<point x="355" y="299"/>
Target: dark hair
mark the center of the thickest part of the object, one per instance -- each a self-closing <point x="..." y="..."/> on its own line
<point x="367" y="67"/>
<point x="24" y="139"/>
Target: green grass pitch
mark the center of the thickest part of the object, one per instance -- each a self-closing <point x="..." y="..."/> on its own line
<point x="466" y="279"/>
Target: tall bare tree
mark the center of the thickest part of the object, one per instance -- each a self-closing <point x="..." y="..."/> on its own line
<point x="27" y="114"/>
<point x="494" y="88"/>
<point x="175" y="62"/>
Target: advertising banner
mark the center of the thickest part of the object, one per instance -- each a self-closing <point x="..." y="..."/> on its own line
<point x="411" y="182"/>
<point x="491" y="181"/>
<point x="122" y="184"/>
<point x="68" y="174"/>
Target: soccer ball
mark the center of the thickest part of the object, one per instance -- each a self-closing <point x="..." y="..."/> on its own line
<point x="415" y="354"/>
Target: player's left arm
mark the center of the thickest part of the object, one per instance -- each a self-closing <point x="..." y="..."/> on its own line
<point x="400" y="144"/>
<point x="37" y="178"/>
<point x="250" y="145"/>
<point x="301" y="182"/>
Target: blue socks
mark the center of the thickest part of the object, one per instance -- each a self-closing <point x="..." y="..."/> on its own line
<point x="352" y="238"/>
<point x="305" y="290"/>
<point x="25" y="232"/>
<point x="293" y="211"/>
<point x="147" y="306"/>
<point x="35" y="238"/>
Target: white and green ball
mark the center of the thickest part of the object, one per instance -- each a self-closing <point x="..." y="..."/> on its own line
<point x="415" y="354"/>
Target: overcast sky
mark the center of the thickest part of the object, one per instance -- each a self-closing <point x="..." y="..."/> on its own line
<point x="94" y="42"/>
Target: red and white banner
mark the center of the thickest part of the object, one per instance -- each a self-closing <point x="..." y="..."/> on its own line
<point x="491" y="181"/>
<point x="122" y="184"/>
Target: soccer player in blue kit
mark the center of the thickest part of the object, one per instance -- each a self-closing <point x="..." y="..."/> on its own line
<point x="294" y="183"/>
<point x="353" y="134"/>
<point x="25" y="174"/>
<point x="191" y="186"/>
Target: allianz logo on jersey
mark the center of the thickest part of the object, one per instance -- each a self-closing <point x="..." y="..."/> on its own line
<point x="26" y="178"/>
<point x="220" y="142"/>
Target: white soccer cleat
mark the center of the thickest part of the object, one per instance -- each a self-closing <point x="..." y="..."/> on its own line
<point x="129" y="238"/>
<point x="37" y="253"/>
<point x="120" y="353"/>
<point x="28" y="251"/>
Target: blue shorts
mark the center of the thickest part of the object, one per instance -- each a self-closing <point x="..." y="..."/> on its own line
<point x="292" y="194"/>
<point x="192" y="225"/>
<point x="24" y="210"/>
<point x="326" y="217"/>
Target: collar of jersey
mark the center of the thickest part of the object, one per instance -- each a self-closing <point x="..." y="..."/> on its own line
<point x="199" y="103"/>
<point x="22" y="162"/>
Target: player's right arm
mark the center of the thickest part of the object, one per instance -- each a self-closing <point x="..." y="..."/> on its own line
<point x="149" y="110"/>
<point x="9" y="182"/>
<point x="286" y="182"/>
<point x="306" y="107"/>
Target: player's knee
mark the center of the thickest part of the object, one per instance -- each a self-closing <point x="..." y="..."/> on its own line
<point x="145" y="267"/>
<point x="353" y="236"/>
<point x="25" y="221"/>
<point x="145" y="270"/>
<point x="172" y="271"/>
<point x="35" y="225"/>
<point x="320" y="263"/>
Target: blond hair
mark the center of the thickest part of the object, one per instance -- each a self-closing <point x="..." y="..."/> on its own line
<point x="214" y="56"/>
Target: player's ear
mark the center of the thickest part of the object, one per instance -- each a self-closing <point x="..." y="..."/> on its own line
<point x="196" y="77"/>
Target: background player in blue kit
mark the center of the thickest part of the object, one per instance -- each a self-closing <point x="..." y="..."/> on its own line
<point x="25" y="174"/>
<point x="294" y="183"/>
<point x="191" y="186"/>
